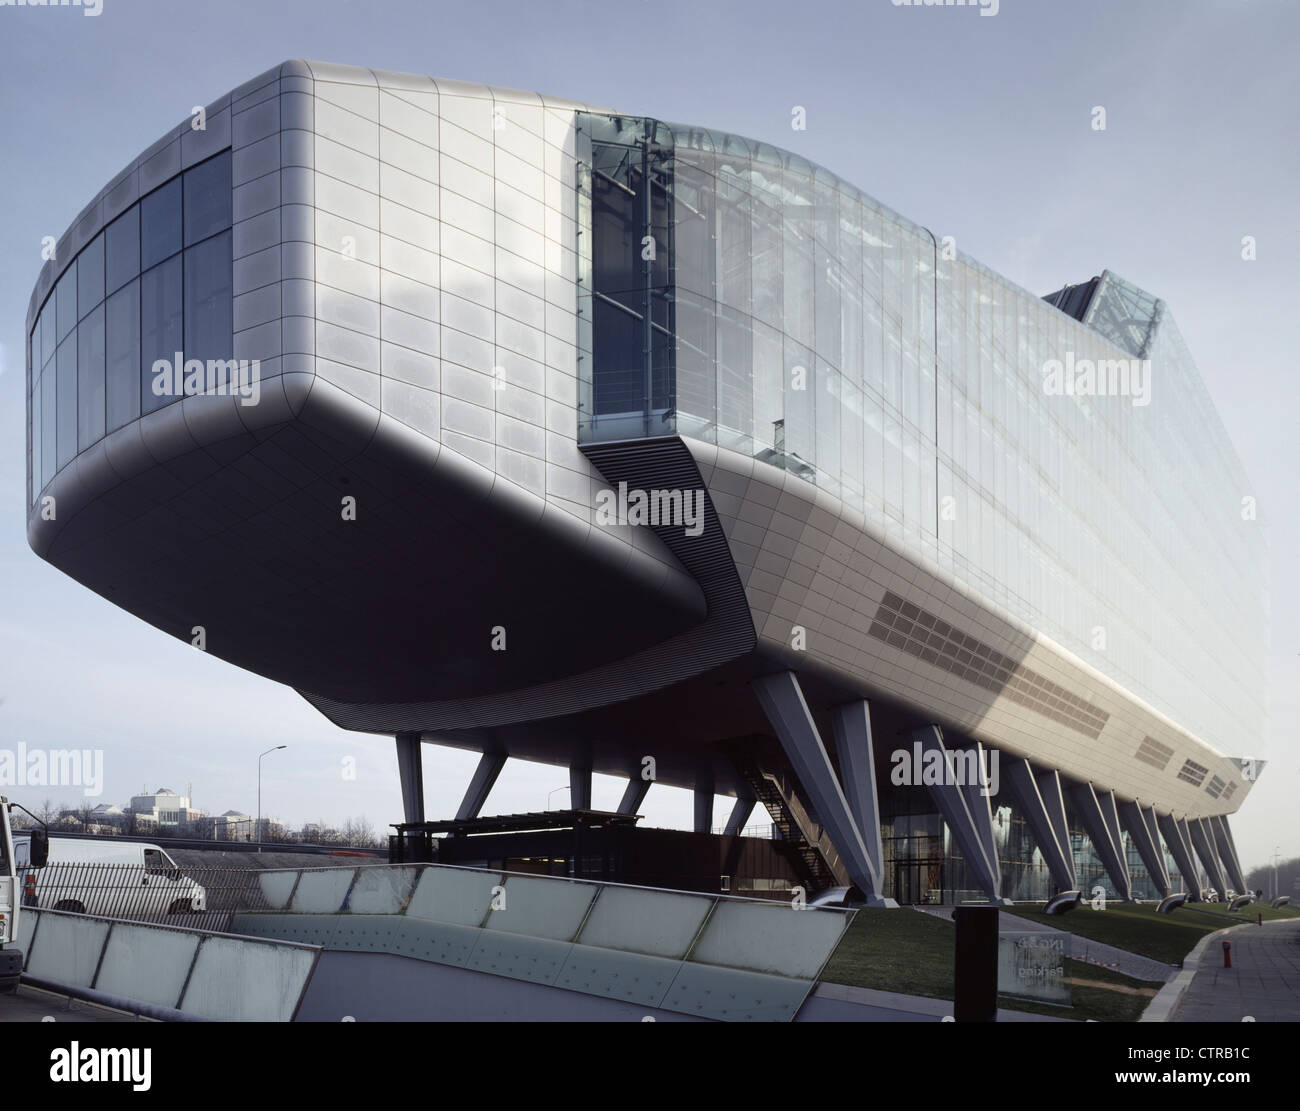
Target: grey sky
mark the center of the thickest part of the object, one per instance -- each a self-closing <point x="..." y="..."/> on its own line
<point x="976" y="127"/>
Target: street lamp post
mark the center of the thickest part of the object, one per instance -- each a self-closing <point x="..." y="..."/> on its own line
<point x="552" y="794"/>
<point x="258" y="828"/>
<point x="1276" y="853"/>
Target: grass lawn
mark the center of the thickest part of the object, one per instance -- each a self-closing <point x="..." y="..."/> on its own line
<point x="911" y="952"/>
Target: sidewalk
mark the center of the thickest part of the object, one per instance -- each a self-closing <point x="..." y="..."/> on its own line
<point x="1263" y="982"/>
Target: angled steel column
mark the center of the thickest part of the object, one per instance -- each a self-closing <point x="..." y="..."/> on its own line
<point x="480" y="785"/>
<point x="1098" y="825"/>
<point x="740" y="814"/>
<point x="1024" y="789"/>
<point x="952" y="804"/>
<point x="633" y="795"/>
<point x="704" y="800"/>
<point x="1148" y="846"/>
<point x="1228" y="853"/>
<point x="1203" y="840"/>
<point x="1180" y="848"/>
<point x="410" y="770"/>
<point x="1153" y="824"/>
<point x="853" y="745"/>
<point x="783" y="703"/>
<point x="1053" y="796"/>
<point x="973" y="784"/>
<point x="580" y="781"/>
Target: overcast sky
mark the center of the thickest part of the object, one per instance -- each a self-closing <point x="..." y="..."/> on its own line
<point x="974" y="126"/>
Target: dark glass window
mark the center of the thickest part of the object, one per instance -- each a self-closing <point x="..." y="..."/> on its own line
<point x="209" y="319"/>
<point x="207" y="198"/>
<point x="36" y="438"/>
<point x="90" y="379"/>
<point x="90" y="276"/>
<point x="122" y="258"/>
<point x="49" y="340"/>
<point x="67" y="400"/>
<point x="122" y="372"/>
<point x="36" y="362"/>
<point x="160" y="224"/>
<point x="65" y="301"/>
<point x="161" y="334"/>
<point x="48" y="427"/>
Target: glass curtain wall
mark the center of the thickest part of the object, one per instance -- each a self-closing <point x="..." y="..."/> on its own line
<point x="801" y="322"/>
<point x="156" y="281"/>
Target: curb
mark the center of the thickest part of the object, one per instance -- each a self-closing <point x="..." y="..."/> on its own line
<point x="1162" y="1007"/>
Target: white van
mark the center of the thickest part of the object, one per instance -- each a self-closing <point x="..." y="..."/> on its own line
<point x="117" y="878"/>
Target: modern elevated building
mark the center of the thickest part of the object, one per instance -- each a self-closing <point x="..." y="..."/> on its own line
<point x="362" y="385"/>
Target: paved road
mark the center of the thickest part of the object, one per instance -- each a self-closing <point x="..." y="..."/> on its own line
<point x="1263" y="982"/>
<point x="31" y="1005"/>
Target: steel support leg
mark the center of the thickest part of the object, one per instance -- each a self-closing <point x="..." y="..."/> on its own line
<point x="854" y="747"/>
<point x="480" y="785"/>
<point x="1203" y="841"/>
<point x="1147" y="842"/>
<point x="952" y="803"/>
<point x="1180" y="848"/>
<point x="740" y="814"/>
<point x="633" y="795"/>
<point x="1228" y="853"/>
<point x="783" y="702"/>
<point x="410" y="770"/>
<point x="1101" y="823"/>
<point x="1025" y="789"/>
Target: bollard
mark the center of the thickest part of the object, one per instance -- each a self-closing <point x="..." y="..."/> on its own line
<point x="1260" y="916"/>
<point x="1227" y="954"/>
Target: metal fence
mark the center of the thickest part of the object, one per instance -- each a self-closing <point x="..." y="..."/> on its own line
<point x="203" y="898"/>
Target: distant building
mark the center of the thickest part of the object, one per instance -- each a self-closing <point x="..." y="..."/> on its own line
<point x="164" y="809"/>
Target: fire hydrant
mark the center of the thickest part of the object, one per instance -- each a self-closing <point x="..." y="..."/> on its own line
<point x="1227" y="954"/>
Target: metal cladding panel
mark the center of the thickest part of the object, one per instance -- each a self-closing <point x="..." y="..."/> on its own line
<point x="900" y="628"/>
<point x="631" y="977"/>
<point x="147" y="963"/>
<point x="538" y="960"/>
<point x="731" y="995"/>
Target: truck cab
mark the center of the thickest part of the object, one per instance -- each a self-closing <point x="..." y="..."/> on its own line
<point x="37" y="850"/>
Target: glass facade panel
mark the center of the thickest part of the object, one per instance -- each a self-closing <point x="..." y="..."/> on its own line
<point x="162" y="334"/>
<point x="122" y="328"/>
<point x="66" y="358"/>
<point x="90" y="378"/>
<point x="65" y="301"/>
<point x="90" y="276"/>
<point x="160" y="224"/>
<point x="208" y="291"/>
<point x="122" y="249"/>
<point x="207" y="198"/>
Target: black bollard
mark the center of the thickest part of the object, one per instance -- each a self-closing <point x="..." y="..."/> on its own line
<point x="976" y="980"/>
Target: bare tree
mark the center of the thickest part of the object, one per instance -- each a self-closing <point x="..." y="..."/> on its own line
<point x="358" y="831"/>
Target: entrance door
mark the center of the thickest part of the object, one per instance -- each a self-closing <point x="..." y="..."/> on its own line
<point x="918" y="881"/>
